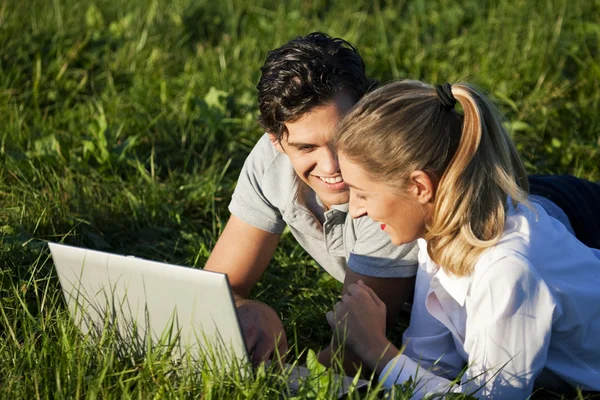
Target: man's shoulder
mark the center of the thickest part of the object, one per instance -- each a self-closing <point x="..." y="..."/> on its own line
<point x="272" y="172"/>
<point x="263" y="152"/>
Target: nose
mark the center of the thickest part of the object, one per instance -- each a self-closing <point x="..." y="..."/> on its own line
<point x="329" y="162"/>
<point x="356" y="209"/>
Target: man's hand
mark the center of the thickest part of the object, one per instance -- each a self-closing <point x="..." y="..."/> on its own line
<point x="263" y="331"/>
<point x="244" y="267"/>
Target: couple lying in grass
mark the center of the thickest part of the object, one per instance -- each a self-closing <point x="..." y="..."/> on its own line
<point x="412" y="188"/>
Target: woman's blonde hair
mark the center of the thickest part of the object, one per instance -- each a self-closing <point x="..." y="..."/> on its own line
<point x="405" y="126"/>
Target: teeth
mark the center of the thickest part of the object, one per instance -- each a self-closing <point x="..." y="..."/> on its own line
<point x="337" y="179"/>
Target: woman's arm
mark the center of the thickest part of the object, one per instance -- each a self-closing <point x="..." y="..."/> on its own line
<point x="508" y="334"/>
<point x="510" y="315"/>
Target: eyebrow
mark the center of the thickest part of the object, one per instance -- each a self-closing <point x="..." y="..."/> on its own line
<point x="299" y="144"/>
<point x="352" y="186"/>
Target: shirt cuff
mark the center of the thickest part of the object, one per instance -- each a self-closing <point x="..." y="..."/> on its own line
<point x="360" y="264"/>
<point x="402" y="368"/>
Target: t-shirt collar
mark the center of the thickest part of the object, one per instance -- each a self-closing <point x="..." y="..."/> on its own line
<point x="341" y="207"/>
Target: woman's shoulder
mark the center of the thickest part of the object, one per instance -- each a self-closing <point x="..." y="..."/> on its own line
<point x="507" y="263"/>
<point x="534" y="243"/>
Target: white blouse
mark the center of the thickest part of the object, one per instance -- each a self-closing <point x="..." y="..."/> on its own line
<point x="532" y="304"/>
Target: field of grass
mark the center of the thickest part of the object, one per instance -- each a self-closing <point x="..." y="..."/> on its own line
<point x="124" y="124"/>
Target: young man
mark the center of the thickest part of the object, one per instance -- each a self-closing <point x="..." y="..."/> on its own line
<point x="292" y="178"/>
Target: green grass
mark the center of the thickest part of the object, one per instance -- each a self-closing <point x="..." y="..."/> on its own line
<point x="124" y="124"/>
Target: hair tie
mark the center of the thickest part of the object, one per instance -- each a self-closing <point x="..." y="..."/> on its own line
<point x="444" y="92"/>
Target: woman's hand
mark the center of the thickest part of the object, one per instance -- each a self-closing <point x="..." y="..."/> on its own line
<point x="359" y="322"/>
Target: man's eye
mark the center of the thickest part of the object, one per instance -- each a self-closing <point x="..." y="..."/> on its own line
<point x="306" y="149"/>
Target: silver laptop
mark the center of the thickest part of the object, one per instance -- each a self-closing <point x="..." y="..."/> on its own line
<point x="152" y="302"/>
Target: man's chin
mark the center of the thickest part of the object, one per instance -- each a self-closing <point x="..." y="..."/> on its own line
<point x="329" y="197"/>
<point x="335" y="199"/>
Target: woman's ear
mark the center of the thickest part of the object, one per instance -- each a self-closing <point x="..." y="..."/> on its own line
<point x="422" y="186"/>
<point x="276" y="143"/>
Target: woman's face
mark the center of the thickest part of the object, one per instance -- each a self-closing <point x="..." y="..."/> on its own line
<point x="402" y="213"/>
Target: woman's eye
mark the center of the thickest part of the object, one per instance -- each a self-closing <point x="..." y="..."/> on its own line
<point x="360" y="197"/>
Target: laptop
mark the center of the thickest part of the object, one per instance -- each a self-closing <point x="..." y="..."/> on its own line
<point x="190" y="311"/>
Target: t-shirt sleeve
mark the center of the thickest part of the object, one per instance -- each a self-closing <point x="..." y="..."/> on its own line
<point x="373" y="253"/>
<point x="249" y="202"/>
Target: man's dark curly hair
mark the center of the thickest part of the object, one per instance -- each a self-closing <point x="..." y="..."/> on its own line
<point x="307" y="72"/>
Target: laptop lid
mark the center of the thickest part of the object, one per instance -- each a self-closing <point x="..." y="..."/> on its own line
<point x="148" y="299"/>
<point x="152" y="300"/>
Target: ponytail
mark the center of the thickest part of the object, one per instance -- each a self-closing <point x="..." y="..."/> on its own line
<point x="473" y="193"/>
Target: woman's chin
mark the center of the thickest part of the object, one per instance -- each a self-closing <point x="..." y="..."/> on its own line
<point x="394" y="238"/>
<point x="398" y="241"/>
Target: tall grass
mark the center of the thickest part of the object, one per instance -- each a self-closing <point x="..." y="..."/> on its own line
<point x="124" y="125"/>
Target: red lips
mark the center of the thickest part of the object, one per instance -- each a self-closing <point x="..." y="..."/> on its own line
<point x="383" y="226"/>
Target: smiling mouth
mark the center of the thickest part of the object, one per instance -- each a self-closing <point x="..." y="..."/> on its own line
<point x="334" y="180"/>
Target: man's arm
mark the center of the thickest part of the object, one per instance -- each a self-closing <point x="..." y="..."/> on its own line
<point x="394" y="292"/>
<point x="243" y="252"/>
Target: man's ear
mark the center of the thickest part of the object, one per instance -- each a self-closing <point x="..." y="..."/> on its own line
<point x="276" y="143"/>
<point x="422" y="186"/>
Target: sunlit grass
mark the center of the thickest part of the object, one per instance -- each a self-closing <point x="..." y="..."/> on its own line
<point x="124" y="124"/>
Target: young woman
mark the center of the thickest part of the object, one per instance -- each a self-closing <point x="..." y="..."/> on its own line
<point x="505" y="292"/>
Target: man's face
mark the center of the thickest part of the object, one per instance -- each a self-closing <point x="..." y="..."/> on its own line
<point x="308" y="145"/>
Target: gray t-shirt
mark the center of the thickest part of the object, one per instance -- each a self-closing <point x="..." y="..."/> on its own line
<point x="269" y="195"/>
